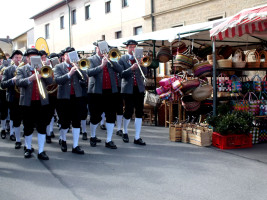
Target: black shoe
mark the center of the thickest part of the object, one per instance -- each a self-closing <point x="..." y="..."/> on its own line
<point x="43" y="156"/>
<point x="103" y="127"/>
<point x="52" y="134"/>
<point x="28" y="153"/>
<point x="59" y="141"/>
<point x="97" y="140"/>
<point x="64" y="147"/>
<point x="3" y="134"/>
<point x="12" y="138"/>
<point x="32" y="149"/>
<point x="48" y="139"/>
<point x="139" y="141"/>
<point x="17" y="145"/>
<point x="125" y="138"/>
<point x="93" y="141"/>
<point x="119" y="133"/>
<point x="111" y="145"/>
<point x="77" y="150"/>
<point x="84" y="136"/>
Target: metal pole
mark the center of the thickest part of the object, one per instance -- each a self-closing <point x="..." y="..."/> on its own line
<point x="155" y="81"/>
<point x="214" y="76"/>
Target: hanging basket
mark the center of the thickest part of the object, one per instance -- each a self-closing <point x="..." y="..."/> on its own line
<point x="202" y="69"/>
<point x="178" y="47"/>
<point x="202" y="93"/>
<point x="190" y="104"/>
<point x="264" y="63"/>
<point x="255" y="61"/>
<point x="185" y="61"/>
<point x="164" y="54"/>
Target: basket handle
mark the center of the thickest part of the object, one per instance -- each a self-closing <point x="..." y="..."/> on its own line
<point x="264" y="78"/>
<point x="237" y="78"/>
<point x="261" y="95"/>
<point x="256" y="75"/>
<point x="250" y="96"/>
<point x="257" y="57"/>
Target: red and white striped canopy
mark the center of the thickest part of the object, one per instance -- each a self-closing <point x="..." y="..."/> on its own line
<point x="245" y="22"/>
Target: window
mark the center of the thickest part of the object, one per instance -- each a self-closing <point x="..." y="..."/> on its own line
<point x="47" y="31"/>
<point x="118" y="34"/>
<point x="107" y="6"/>
<point x="87" y="12"/>
<point x="125" y="3"/>
<point x="215" y="18"/>
<point x="62" y="22"/>
<point x="138" y="30"/>
<point x="177" y="25"/>
<point x="73" y="17"/>
<point x="103" y="37"/>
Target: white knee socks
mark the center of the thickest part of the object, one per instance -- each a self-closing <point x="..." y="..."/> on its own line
<point x="41" y="142"/>
<point x="119" y="120"/>
<point x="83" y="124"/>
<point x="48" y="133"/>
<point x="63" y="134"/>
<point x="75" y="135"/>
<point x="125" y="125"/>
<point x="3" y="124"/>
<point x="93" y="129"/>
<point x="17" y="133"/>
<point x="103" y="119"/>
<point x="110" y="127"/>
<point x="137" y="124"/>
<point x="52" y="124"/>
<point x="11" y="127"/>
<point x="28" y="141"/>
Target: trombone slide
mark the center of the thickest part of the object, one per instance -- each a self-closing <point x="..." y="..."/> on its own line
<point x="137" y="62"/>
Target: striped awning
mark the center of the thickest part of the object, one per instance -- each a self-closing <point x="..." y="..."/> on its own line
<point x="246" y="21"/>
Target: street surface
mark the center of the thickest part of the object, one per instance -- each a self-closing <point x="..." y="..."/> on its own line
<point x="158" y="171"/>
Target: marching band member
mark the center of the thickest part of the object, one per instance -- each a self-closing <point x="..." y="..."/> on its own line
<point x="69" y="97"/>
<point x="8" y="82"/>
<point x="52" y="104"/>
<point x="34" y="106"/>
<point x="102" y="89"/>
<point x="133" y="88"/>
<point x="119" y="107"/>
<point x="3" y="102"/>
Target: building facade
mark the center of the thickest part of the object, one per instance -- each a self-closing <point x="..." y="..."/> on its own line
<point x="173" y="13"/>
<point x="6" y="45"/>
<point x="24" y="41"/>
<point x="79" y="23"/>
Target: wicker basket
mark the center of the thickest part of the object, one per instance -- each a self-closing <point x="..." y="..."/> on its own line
<point x="256" y="61"/>
<point x="238" y="61"/>
<point x="224" y="63"/>
<point x="263" y="64"/>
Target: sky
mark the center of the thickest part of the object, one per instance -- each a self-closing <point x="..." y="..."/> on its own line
<point x="15" y="14"/>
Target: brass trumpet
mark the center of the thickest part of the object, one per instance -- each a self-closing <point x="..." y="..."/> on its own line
<point x="114" y="55"/>
<point x="84" y="64"/>
<point x="146" y="61"/>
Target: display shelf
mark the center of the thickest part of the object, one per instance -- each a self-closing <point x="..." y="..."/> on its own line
<point x="240" y="69"/>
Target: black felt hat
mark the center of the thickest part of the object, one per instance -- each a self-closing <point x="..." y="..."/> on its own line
<point x="16" y="52"/>
<point x="42" y="52"/>
<point x="31" y="51"/>
<point x="53" y="55"/>
<point x="130" y="42"/>
<point x="67" y="50"/>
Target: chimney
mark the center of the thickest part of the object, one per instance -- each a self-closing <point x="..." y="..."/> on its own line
<point x="7" y="37"/>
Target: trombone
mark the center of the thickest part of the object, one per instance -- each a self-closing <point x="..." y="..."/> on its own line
<point x="146" y="61"/>
<point x="137" y="62"/>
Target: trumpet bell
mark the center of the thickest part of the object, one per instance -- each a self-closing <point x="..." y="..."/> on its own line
<point x="46" y="71"/>
<point x="114" y="55"/>
<point x="146" y="61"/>
<point x="84" y="64"/>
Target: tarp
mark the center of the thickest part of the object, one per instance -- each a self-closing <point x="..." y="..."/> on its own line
<point x="247" y="21"/>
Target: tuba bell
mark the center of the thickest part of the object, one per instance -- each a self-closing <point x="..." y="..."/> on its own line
<point x="114" y="55"/>
<point x="146" y="61"/>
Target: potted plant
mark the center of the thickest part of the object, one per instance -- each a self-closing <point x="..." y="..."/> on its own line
<point x="231" y="129"/>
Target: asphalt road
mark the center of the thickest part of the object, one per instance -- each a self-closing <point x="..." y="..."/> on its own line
<point x="160" y="170"/>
